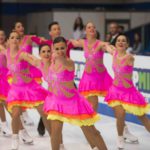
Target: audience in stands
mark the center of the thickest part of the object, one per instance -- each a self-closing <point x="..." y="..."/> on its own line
<point x="114" y="32"/>
<point x="78" y="29"/>
<point x="137" y="45"/>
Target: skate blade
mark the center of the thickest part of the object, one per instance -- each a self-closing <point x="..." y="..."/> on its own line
<point x="131" y="142"/>
<point x="28" y="124"/>
<point x="5" y="134"/>
<point x="28" y="143"/>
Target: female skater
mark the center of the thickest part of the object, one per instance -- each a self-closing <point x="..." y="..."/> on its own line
<point x="4" y="89"/>
<point x="4" y="86"/>
<point x="64" y="104"/>
<point x="24" y="91"/>
<point x="26" y="45"/>
<point x="123" y="96"/>
<point x="95" y="80"/>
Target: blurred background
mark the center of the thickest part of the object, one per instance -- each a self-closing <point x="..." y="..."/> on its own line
<point x="131" y="17"/>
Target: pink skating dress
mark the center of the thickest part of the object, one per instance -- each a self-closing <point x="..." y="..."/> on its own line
<point x="24" y="91"/>
<point x="95" y="80"/>
<point x="4" y="86"/>
<point x="123" y="92"/>
<point x="36" y="73"/>
<point x="66" y="104"/>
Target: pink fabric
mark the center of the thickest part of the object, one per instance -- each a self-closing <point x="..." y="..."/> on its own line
<point x="17" y="67"/>
<point x="4" y="86"/>
<point x="94" y="81"/>
<point x="30" y="92"/>
<point x="119" y="92"/>
<point x="35" y="73"/>
<point x="57" y="101"/>
<point x="120" y="69"/>
<point x="23" y="91"/>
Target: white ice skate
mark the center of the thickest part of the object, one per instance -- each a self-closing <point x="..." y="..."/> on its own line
<point x="129" y="137"/>
<point x="27" y="120"/>
<point x="25" y="137"/>
<point x="5" y="130"/>
<point x="62" y="147"/>
<point x="95" y="148"/>
<point x="15" y="142"/>
<point x="120" y="142"/>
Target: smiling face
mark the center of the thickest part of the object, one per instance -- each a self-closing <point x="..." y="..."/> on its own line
<point x="14" y="39"/>
<point x="55" y="31"/>
<point x="45" y="52"/>
<point x="122" y="42"/>
<point x="90" y="29"/>
<point x="19" y="28"/>
<point x="2" y="37"/>
<point x="60" y="49"/>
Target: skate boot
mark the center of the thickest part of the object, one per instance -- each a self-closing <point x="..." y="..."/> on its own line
<point x="25" y="137"/>
<point x="15" y="142"/>
<point x="27" y="120"/>
<point x="129" y="137"/>
<point x="120" y="142"/>
<point x="5" y="130"/>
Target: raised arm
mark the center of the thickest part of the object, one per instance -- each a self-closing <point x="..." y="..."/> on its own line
<point x="30" y="59"/>
<point x="77" y="43"/>
<point x="107" y="47"/>
<point x="40" y="40"/>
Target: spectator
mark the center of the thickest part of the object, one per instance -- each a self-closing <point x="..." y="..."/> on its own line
<point x="108" y="37"/>
<point x="78" y="29"/>
<point x="113" y="29"/>
<point x="137" y="46"/>
<point x="121" y="29"/>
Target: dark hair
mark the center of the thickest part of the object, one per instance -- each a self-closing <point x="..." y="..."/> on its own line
<point x="121" y="27"/>
<point x="51" y="24"/>
<point x="4" y="33"/>
<point x="2" y="30"/>
<point x="59" y="39"/>
<point x="128" y="41"/>
<point x="97" y="34"/>
<point x="16" y="23"/>
<point x="80" y="25"/>
<point x="42" y="45"/>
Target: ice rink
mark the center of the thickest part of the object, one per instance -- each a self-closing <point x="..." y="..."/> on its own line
<point x="74" y="139"/>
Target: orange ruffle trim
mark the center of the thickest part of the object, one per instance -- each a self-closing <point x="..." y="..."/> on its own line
<point x="38" y="80"/>
<point x="24" y="105"/>
<point x="2" y="98"/>
<point x="135" y="109"/>
<point x="79" y="120"/>
<point x="80" y="117"/>
<point x="94" y="93"/>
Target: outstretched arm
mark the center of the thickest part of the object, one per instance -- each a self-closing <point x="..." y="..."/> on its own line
<point x="30" y="59"/>
<point x="77" y="43"/>
<point x="40" y="40"/>
<point x="108" y="48"/>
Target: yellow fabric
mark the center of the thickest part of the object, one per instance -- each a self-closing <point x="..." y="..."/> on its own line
<point x="24" y="104"/>
<point x="131" y="108"/>
<point x="86" y="122"/>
